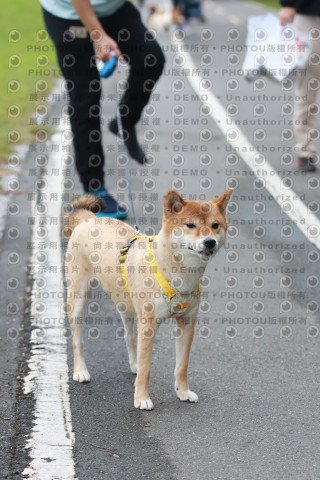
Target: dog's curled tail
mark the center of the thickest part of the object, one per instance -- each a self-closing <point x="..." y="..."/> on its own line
<point x="79" y="210"/>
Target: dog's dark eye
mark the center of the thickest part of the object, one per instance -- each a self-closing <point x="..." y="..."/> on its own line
<point x="190" y="225"/>
<point x="215" y="225"/>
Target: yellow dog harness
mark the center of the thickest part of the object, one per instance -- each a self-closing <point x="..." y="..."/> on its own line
<point x="178" y="303"/>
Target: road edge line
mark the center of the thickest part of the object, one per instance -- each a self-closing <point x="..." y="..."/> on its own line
<point x="50" y="444"/>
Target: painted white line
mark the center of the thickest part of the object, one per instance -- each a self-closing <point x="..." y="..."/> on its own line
<point x="234" y="20"/>
<point x="10" y="182"/>
<point x="220" y="10"/>
<point x="52" y="439"/>
<point x="305" y="220"/>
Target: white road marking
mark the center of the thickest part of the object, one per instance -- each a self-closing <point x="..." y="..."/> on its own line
<point x="10" y="180"/>
<point x="305" y="220"/>
<point x="52" y="439"/>
<point x="220" y="10"/>
<point x="234" y="20"/>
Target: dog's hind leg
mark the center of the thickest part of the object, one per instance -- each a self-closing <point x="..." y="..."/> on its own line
<point x="130" y="338"/>
<point x="183" y="345"/>
<point x="78" y="293"/>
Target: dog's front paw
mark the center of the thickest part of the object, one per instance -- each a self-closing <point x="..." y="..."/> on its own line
<point x="81" y="376"/>
<point x="187" y="396"/>
<point x="144" y="404"/>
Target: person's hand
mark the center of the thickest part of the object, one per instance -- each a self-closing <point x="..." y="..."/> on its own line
<point x="286" y="15"/>
<point x="104" y="46"/>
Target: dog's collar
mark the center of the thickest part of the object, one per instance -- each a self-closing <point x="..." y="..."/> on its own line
<point x="168" y="292"/>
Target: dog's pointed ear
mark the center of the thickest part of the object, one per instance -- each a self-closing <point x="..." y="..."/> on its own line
<point x="173" y="203"/>
<point x="223" y="200"/>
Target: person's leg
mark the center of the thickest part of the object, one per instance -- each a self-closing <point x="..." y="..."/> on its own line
<point x="76" y="59"/>
<point x="146" y="62"/>
<point x="307" y="87"/>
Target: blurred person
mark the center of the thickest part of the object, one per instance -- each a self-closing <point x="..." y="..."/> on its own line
<point x="305" y="16"/>
<point x="81" y="30"/>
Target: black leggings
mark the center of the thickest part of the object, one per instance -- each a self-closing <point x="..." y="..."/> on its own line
<point x="146" y="61"/>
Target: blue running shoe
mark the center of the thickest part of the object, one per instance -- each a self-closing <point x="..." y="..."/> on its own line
<point x="112" y="208"/>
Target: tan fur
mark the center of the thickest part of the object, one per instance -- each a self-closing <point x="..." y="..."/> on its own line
<point x="177" y="17"/>
<point x="81" y="209"/>
<point x="177" y="248"/>
<point x="205" y="212"/>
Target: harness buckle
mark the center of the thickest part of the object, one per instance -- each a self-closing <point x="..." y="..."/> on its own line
<point x="136" y="230"/>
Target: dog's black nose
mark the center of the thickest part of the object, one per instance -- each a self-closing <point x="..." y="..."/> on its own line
<point x="210" y="243"/>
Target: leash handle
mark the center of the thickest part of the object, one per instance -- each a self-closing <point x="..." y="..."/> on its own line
<point x="107" y="68"/>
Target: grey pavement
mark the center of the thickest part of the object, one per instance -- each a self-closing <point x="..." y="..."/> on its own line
<point x="255" y="357"/>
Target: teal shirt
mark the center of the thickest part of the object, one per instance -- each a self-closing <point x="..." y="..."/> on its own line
<point x="65" y="9"/>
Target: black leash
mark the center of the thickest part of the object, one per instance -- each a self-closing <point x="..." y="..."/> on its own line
<point x="123" y="151"/>
<point x="106" y="69"/>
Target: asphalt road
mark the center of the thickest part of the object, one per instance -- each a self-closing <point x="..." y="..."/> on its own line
<point x="254" y="361"/>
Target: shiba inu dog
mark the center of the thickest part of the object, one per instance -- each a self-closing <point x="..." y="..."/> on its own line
<point x="152" y="278"/>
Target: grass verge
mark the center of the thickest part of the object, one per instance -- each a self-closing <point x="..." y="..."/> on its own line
<point x="269" y="3"/>
<point x="28" y="72"/>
